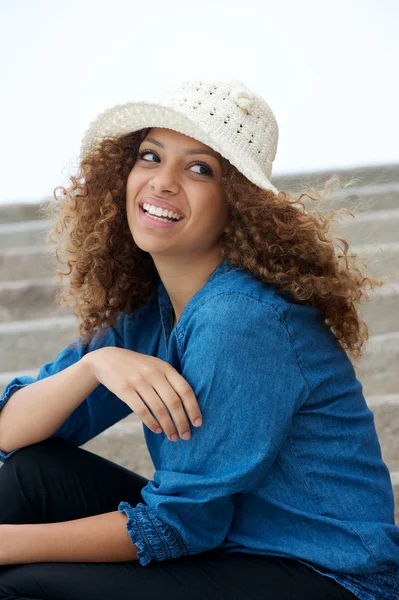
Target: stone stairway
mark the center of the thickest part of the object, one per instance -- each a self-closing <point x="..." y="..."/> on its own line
<point x="33" y="329"/>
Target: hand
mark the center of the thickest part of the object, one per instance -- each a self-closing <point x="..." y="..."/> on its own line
<point x="143" y="381"/>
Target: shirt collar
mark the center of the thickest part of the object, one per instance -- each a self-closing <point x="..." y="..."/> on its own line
<point x="165" y="304"/>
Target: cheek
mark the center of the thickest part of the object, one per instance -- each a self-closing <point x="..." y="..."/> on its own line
<point x="132" y="181"/>
<point x="133" y="186"/>
<point x="215" y="205"/>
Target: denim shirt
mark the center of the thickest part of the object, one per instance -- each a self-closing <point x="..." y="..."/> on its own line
<point x="287" y="462"/>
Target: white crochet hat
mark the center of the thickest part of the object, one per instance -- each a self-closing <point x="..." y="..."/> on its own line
<point x="224" y="115"/>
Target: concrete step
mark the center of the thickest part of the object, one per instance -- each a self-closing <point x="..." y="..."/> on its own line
<point x="27" y="262"/>
<point x="381" y="260"/>
<point x="370" y="226"/>
<point x="35" y="299"/>
<point x="23" y="211"/>
<point x="381" y="310"/>
<point x="33" y="262"/>
<point x="358" y="199"/>
<point x="373" y="227"/>
<point x="378" y="368"/>
<point x="31" y="299"/>
<point x="381" y="178"/>
<point x="25" y="345"/>
<point x="386" y="419"/>
<point x="24" y="233"/>
<point x="30" y="343"/>
<point x="366" y="176"/>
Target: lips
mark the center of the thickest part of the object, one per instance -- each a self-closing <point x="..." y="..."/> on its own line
<point x="161" y="204"/>
<point x="147" y="221"/>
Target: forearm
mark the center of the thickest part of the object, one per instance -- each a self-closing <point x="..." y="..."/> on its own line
<point x="34" y="412"/>
<point x="102" y="538"/>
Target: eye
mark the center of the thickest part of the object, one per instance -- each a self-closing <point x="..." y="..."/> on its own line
<point x="145" y="152"/>
<point x="208" y="169"/>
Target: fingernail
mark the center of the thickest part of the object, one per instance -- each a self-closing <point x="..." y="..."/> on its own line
<point x="174" y="437"/>
<point x="186" y="435"/>
<point x="158" y="430"/>
<point x="198" y="422"/>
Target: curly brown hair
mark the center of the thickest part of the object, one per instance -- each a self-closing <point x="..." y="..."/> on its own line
<point x="272" y="236"/>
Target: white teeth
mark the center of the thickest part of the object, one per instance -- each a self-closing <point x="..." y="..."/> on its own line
<point x="161" y="212"/>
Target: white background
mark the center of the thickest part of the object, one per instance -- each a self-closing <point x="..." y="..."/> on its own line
<point x="328" y="69"/>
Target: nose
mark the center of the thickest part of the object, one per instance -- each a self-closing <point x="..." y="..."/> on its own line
<point x="165" y="180"/>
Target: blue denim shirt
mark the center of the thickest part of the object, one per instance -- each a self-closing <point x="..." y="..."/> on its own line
<point x="287" y="462"/>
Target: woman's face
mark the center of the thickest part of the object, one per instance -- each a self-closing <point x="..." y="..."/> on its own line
<point x="178" y="169"/>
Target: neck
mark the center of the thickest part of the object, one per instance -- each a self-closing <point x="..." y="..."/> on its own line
<point x="183" y="279"/>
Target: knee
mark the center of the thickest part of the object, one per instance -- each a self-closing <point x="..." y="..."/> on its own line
<point x="34" y="449"/>
<point x="30" y="455"/>
<point x="21" y="480"/>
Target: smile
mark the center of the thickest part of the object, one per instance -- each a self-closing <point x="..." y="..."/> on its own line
<point x="155" y="221"/>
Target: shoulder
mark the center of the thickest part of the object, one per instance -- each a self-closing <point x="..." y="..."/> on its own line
<point x="235" y="312"/>
<point x="239" y="304"/>
<point x="238" y="291"/>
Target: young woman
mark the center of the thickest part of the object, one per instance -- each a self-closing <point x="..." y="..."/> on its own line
<point x="202" y="292"/>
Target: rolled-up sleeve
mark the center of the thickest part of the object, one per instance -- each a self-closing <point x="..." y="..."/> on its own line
<point x="98" y="411"/>
<point x="237" y="355"/>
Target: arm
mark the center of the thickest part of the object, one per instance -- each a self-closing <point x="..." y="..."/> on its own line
<point x="102" y="538"/>
<point x="36" y="411"/>
<point x="31" y="408"/>
<point x="238" y="358"/>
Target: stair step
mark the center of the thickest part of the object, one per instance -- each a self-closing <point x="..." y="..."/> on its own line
<point x="24" y="233"/>
<point x="358" y="199"/>
<point x="377" y="369"/>
<point x="378" y="188"/>
<point x="374" y="226"/>
<point x="35" y="299"/>
<point x="27" y="262"/>
<point x="31" y="299"/>
<point x="368" y="176"/>
<point x="366" y="225"/>
<point x="33" y="329"/>
<point x="22" y="211"/>
<point x="27" y="344"/>
<point x="382" y="260"/>
<point x="380" y="178"/>
<point x="30" y="343"/>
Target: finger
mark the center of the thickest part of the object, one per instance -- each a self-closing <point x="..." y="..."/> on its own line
<point x="154" y="399"/>
<point x="140" y="409"/>
<point x="186" y="394"/>
<point x="174" y="405"/>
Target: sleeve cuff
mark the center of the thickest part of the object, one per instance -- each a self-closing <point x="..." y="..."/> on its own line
<point x="9" y="390"/>
<point x="155" y="539"/>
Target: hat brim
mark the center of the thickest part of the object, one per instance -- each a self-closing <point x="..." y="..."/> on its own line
<point x="133" y="116"/>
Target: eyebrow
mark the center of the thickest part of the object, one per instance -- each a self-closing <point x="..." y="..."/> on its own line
<point x="187" y="150"/>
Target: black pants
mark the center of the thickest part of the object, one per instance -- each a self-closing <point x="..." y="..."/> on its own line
<point x="53" y="481"/>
